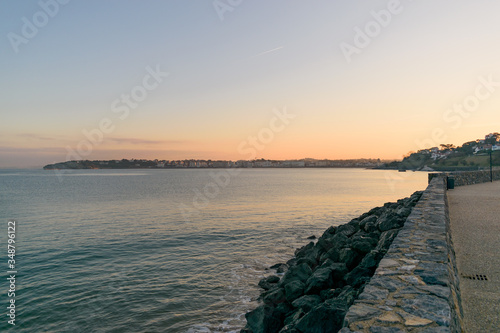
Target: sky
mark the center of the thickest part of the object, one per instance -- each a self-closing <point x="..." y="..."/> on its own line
<point x="239" y="79"/>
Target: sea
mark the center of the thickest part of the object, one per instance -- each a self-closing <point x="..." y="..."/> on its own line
<point x="165" y="250"/>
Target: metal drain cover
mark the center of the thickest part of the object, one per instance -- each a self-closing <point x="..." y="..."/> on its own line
<point x="478" y="277"/>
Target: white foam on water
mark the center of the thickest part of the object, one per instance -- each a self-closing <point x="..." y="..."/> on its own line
<point x="202" y="328"/>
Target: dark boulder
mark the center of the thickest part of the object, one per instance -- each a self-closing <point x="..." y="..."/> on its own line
<point x="391" y="205"/>
<point x="337" y="241"/>
<point x="347" y="295"/>
<point x="376" y="211"/>
<point x="300" y="272"/>
<point x="289" y="329"/>
<point x="293" y="317"/>
<point x="329" y="293"/>
<point x="324" y="318"/>
<point x="308" y="255"/>
<point x="358" y="276"/>
<point x="403" y="211"/>
<point x="388" y="222"/>
<point x="330" y="274"/>
<point x="283" y="309"/>
<point x="304" y="250"/>
<point x="354" y="221"/>
<point x="274" y="296"/>
<point x="309" y="260"/>
<point x="264" y="319"/>
<point x="368" y="219"/>
<point x="348" y="229"/>
<point x="329" y="232"/>
<point x="374" y="234"/>
<point x="370" y="227"/>
<point x="324" y="244"/>
<point x="294" y="290"/>
<point x="414" y="199"/>
<point x="269" y="282"/>
<point x="349" y="257"/>
<point x="386" y="239"/>
<point x="280" y="268"/>
<point x="339" y="270"/>
<point x="320" y="279"/>
<point x="363" y="245"/>
<point x="372" y="259"/>
<point x="307" y="302"/>
<point x="332" y="254"/>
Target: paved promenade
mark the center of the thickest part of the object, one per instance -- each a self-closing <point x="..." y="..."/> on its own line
<point x="475" y="228"/>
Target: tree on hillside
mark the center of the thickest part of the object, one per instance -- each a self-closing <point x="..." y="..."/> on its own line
<point x="447" y="146"/>
<point x="493" y="139"/>
<point x="408" y="154"/>
<point x="468" y="147"/>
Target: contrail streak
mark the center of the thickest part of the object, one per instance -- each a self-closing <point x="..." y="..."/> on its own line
<point x="266" y="52"/>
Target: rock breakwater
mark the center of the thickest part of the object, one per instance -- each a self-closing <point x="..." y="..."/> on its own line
<point x="324" y="278"/>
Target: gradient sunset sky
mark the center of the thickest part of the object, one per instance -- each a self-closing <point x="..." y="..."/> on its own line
<point x="428" y="74"/>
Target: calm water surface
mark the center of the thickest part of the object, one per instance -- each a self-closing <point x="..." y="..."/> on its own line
<point x="167" y="250"/>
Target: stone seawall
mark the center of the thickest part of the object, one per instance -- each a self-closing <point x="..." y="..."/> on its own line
<point x="415" y="287"/>
<point x="463" y="178"/>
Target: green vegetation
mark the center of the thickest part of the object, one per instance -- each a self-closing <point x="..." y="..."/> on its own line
<point x="472" y="155"/>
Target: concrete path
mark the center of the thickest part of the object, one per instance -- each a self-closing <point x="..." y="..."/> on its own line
<point x="475" y="229"/>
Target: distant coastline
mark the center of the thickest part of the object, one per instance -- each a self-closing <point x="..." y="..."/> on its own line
<point x="205" y="164"/>
<point x="479" y="154"/>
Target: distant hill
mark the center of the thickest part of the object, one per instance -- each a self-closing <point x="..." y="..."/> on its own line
<point x="472" y="155"/>
<point x="178" y="164"/>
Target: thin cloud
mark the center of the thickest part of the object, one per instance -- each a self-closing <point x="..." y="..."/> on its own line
<point x="136" y="141"/>
<point x="37" y="136"/>
<point x="30" y="150"/>
<point x="269" y="51"/>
